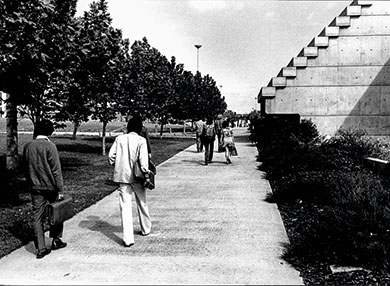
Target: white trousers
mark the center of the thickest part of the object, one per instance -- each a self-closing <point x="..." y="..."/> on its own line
<point x="125" y="204"/>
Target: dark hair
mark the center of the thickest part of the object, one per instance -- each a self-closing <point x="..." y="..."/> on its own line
<point x="134" y="125"/>
<point x="209" y="120"/>
<point x="225" y="124"/>
<point x="44" y="127"/>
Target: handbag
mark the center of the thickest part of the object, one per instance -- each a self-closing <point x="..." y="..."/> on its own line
<point x="60" y="211"/>
<point x="140" y="176"/>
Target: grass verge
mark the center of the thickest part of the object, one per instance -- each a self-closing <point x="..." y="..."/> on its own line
<point x="87" y="178"/>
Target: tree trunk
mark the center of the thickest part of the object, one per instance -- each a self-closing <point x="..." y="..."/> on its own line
<point x="12" y="135"/>
<point x="104" y="138"/>
<point x="76" y="126"/>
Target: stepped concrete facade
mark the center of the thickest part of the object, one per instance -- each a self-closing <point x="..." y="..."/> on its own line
<point x="342" y="78"/>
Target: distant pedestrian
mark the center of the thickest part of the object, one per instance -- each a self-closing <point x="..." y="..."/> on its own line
<point x="199" y="124"/>
<point x="43" y="172"/>
<point x="218" y="130"/>
<point x="208" y="135"/>
<point x="127" y="151"/>
<point x="227" y="140"/>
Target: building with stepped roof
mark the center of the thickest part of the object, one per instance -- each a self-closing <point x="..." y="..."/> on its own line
<point x="342" y="78"/>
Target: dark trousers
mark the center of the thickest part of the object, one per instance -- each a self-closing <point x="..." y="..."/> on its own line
<point x="209" y="149"/>
<point x="39" y="201"/>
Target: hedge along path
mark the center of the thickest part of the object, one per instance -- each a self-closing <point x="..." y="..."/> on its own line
<point x="210" y="224"/>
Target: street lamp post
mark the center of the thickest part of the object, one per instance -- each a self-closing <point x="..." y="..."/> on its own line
<point x="197" y="56"/>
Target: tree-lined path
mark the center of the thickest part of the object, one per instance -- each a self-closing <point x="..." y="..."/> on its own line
<point x="211" y="226"/>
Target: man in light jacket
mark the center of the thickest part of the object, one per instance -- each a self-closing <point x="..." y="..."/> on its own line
<point x="126" y="151"/>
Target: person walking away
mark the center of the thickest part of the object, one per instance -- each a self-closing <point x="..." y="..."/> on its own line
<point x="42" y="169"/>
<point x="199" y="124"/>
<point x="208" y="135"/>
<point x="127" y="151"/>
<point x="218" y="130"/>
<point x="227" y="140"/>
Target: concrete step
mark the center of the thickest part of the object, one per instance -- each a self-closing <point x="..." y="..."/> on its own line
<point x="267" y="92"/>
<point x="354" y="10"/>
<point x="321" y="41"/>
<point x="300" y="61"/>
<point x="289" y="72"/>
<point x="310" y="52"/>
<point x="332" y="31"/>
<point x="279" y="81"/>
<point x="364" y="3"/>
<point x="343" y="21"/>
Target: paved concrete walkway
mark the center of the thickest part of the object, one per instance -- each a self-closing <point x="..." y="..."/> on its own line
<point x="211" y="227"/>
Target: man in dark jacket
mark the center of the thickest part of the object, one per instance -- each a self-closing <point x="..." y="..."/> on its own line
<point x="43" y="172"/>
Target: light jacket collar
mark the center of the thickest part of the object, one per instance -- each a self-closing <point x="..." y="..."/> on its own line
<point x="43" y="137"/>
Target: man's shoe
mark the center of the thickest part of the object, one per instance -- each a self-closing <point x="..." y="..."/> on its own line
<point x="43" y="253"/>
<point x="58" y="244"/>
<point x="128" y="245"/>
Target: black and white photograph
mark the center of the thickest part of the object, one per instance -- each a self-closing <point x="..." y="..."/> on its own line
<point x="194" y="142"/>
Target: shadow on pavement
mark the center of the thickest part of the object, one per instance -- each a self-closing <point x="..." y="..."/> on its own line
<point x="96" y="224"/>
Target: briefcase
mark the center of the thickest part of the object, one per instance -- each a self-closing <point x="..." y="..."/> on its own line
<point x="60" y="211"/>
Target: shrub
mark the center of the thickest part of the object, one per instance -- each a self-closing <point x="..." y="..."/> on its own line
<point x="282" y="135"/>
<point x="346" y="218"/>
<point x="307" y="131"/>
<point x="354" y="144"/>
<point x="342" y="210"/>
<point x="304" y="159"/>
<point x="344" y="152"/>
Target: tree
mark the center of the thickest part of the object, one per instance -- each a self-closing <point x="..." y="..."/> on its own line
<point x="71" y="85"/>
<point x="185" y="107"/>
<point x="231" y="115"/>
<point x="106" y="57"/>
<point x="164" y="89"/>
<point x="31" y="44"/>
<point x="208" y="100"/>
<point x="142" y="77"/>
<point x="153" y="80"/>
<point x="165" y="96"/>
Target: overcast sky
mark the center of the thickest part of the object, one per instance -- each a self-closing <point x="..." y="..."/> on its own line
<point x="244" y="42"/>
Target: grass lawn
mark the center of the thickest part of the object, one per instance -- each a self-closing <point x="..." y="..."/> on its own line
<point x="87" y="178"/>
